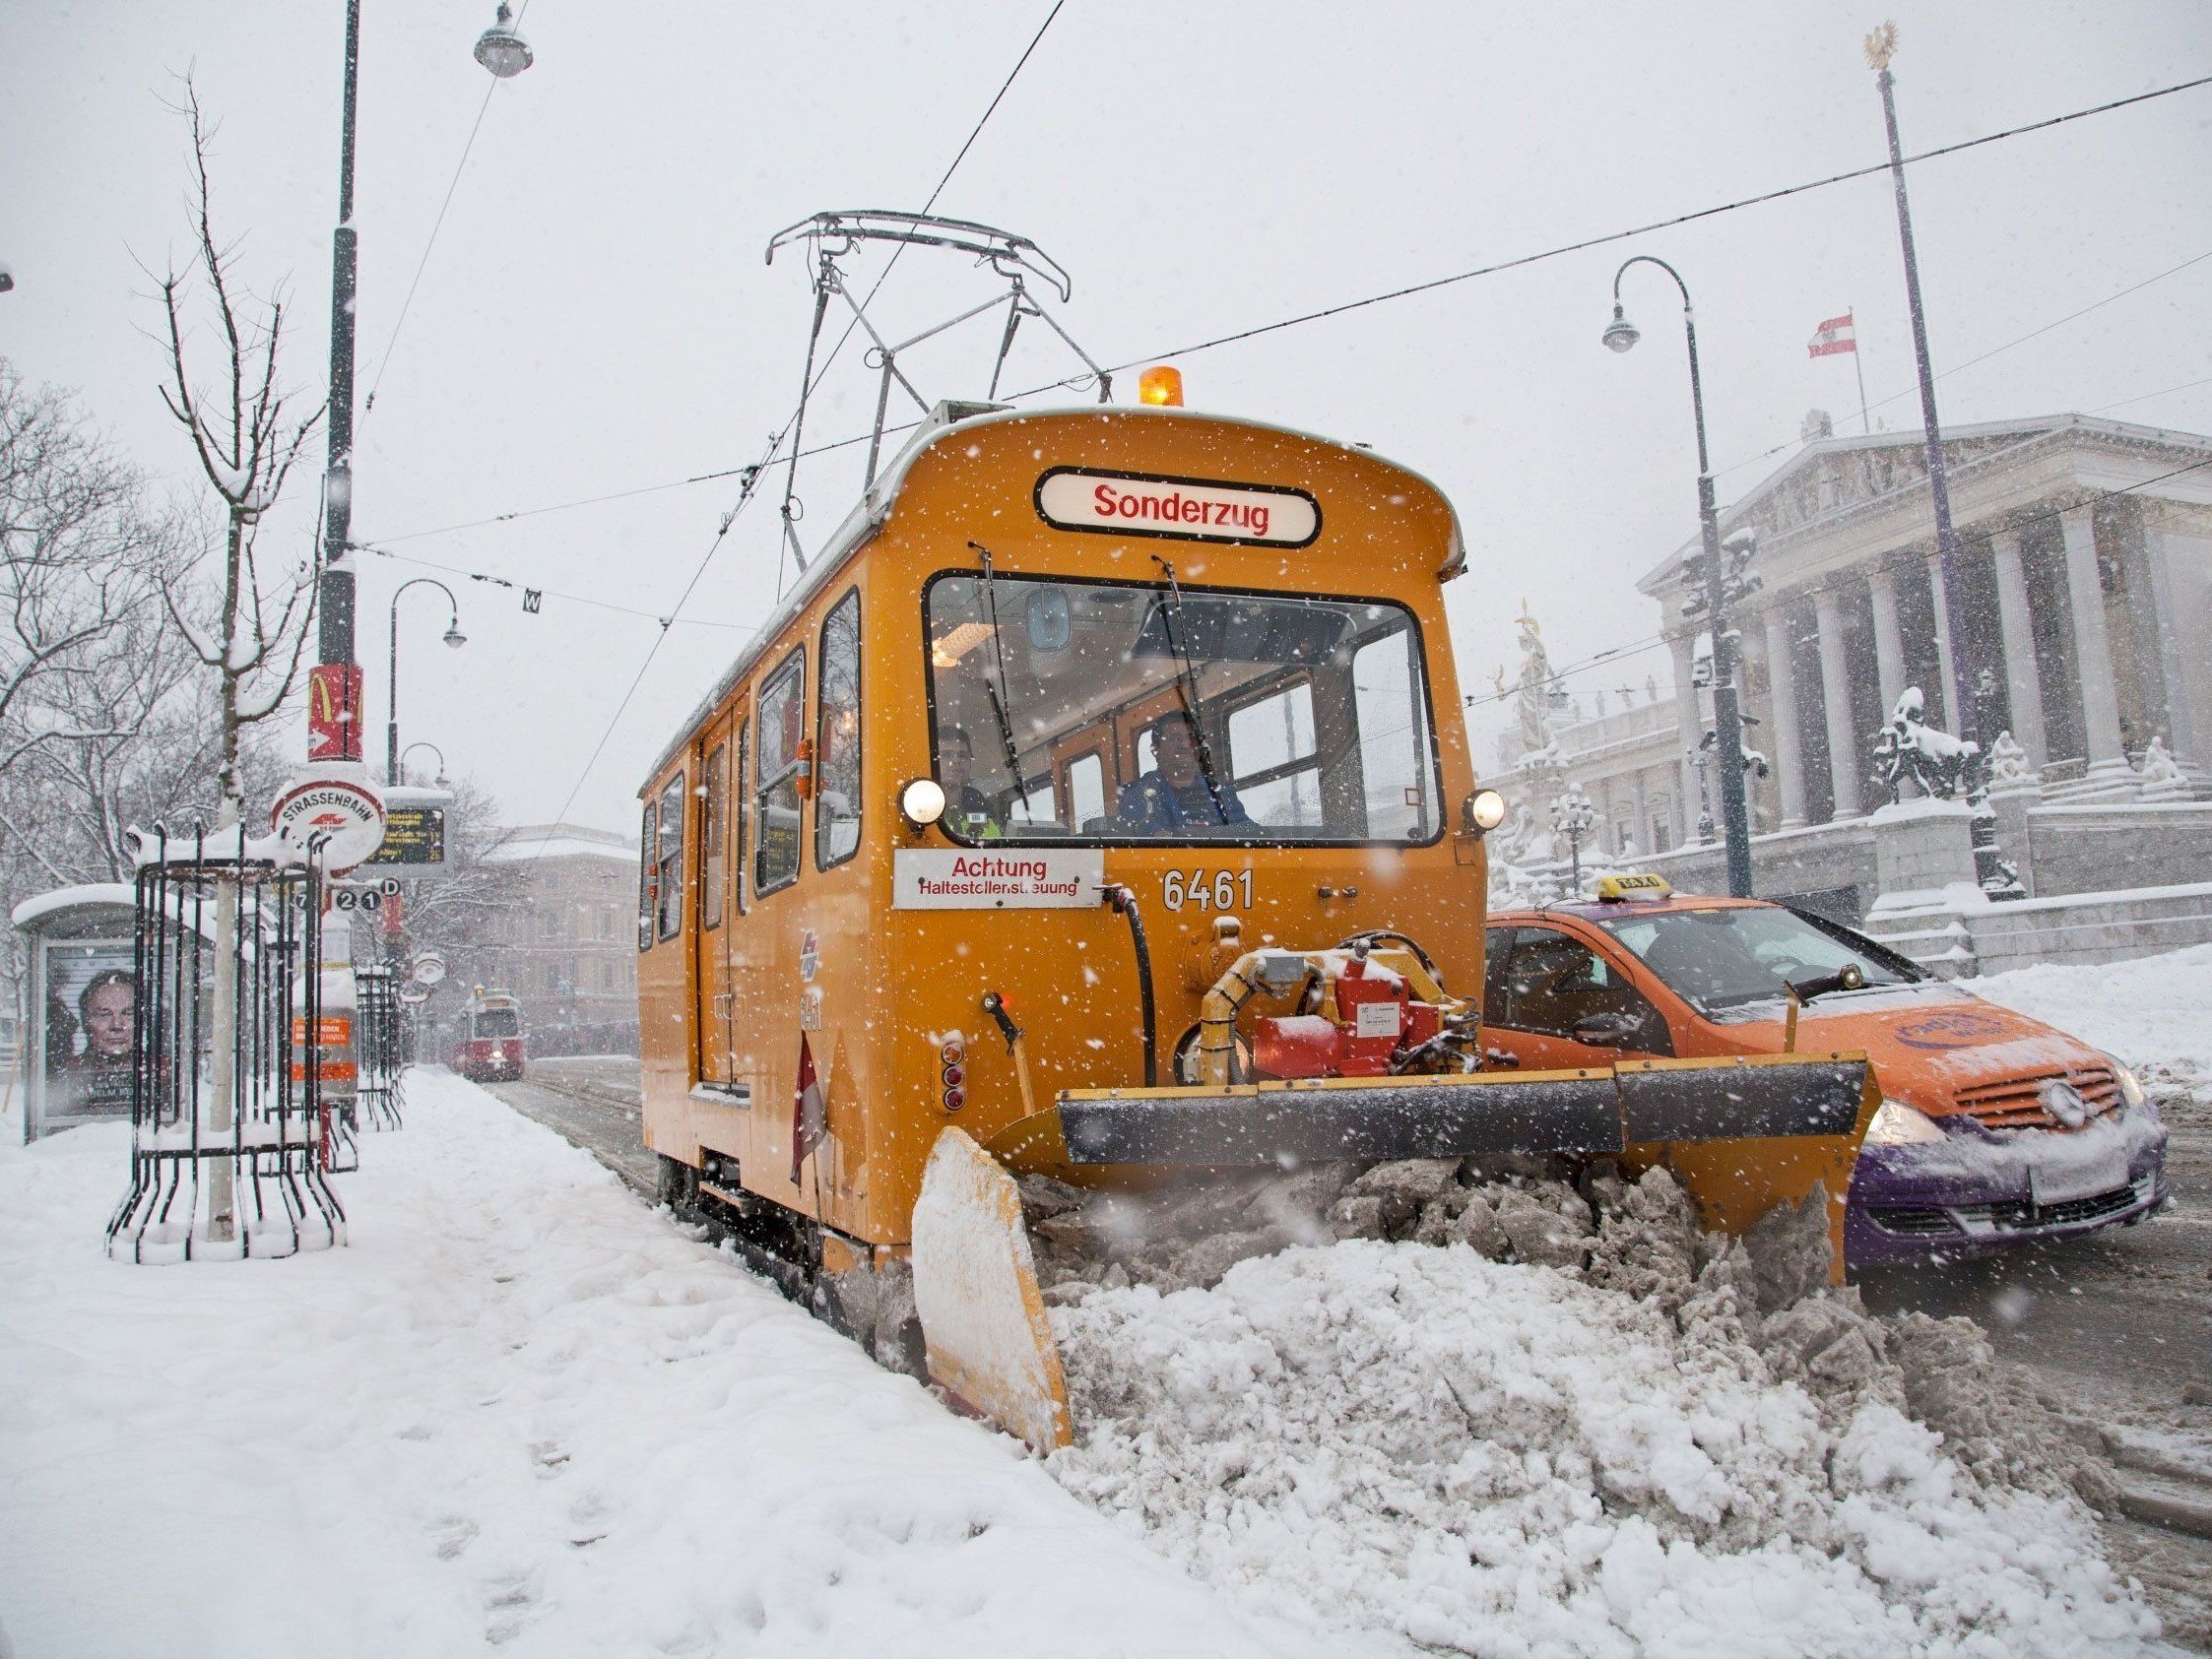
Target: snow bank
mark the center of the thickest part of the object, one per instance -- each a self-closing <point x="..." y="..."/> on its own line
<point x="2148" y="1011"/>
<point x="1423" y="1450"/>
<point x="519" y="1412"/>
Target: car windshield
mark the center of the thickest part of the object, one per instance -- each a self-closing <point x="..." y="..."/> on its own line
<point x="1726" y="958"/>
<point x="1135" y="712"/>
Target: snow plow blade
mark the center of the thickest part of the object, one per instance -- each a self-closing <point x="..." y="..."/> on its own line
<point x="988" y="1345"/>
<point x="1742" y="1134"/>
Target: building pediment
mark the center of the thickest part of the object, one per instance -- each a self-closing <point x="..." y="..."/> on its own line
<point x="1833" y="479"/>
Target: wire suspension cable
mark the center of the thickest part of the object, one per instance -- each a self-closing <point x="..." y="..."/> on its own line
<point x="1442" y="282"/>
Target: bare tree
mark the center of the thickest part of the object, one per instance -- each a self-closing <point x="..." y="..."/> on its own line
<point x="246" y="443"/>
<point x="79" y="560"/>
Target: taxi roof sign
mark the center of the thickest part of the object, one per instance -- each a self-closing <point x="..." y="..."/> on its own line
<point x="1638" y="884"/>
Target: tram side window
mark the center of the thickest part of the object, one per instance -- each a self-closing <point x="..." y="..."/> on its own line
<point x="738" y="813"/>
<point x="775" y="824"/>
<point x="837" y="775"/>
<point x="668" y="877"/>
<point x="645" y="862"/>
<point x="712" y="804"/>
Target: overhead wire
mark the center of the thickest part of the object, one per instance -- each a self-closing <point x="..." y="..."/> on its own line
<point x="1519" y="262"/>
<point x="422" y="265"/>
<point x="754" y="474"/>
<point x="1994" y="351"/>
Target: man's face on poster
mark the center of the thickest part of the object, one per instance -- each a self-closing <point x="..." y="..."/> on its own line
<point x="107" y="1021"/>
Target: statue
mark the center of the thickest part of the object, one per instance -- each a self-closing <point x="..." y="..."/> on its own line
<point x="2163" y="776"/>
<point x="1908" y="747"/>
<point x="1534" y="699"/>
<point x="2009" y="769"/>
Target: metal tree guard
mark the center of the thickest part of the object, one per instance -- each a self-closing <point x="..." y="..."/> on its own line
<point x="246" y="1173"/>
<point x="377" y="1035"/>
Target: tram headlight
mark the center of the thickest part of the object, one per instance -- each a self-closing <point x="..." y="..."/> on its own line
<point x="1485" y="810"/>
<point x="922" y="801"/>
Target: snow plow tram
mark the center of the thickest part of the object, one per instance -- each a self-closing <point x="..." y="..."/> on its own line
<point x="1098" y="805"/>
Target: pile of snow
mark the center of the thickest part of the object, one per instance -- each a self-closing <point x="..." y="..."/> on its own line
<point x="520" y="1412"/>
<point x="1663" y="1442"/>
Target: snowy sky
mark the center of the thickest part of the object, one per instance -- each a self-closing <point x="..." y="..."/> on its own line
<point x="595" y="315"/>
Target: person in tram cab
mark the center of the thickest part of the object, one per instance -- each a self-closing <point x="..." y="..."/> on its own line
<point x="965" y="804"/>
<point x="1181" y="791"/>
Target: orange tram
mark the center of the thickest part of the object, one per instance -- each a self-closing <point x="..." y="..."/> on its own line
<point x="1101" y="793"/>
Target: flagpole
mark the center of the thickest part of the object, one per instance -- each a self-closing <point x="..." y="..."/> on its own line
<point x="1859" y="367"/>
<point x="1959" y="694"/>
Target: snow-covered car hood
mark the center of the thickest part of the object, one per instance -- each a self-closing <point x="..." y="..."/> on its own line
<point x="1927" y="1042"/>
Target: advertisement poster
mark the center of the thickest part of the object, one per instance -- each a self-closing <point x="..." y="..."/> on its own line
<point x="83" y="1069"/>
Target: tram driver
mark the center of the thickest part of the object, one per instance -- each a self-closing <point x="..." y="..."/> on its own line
<point x="965" y="804"/>
<point x="1179" y="791"/>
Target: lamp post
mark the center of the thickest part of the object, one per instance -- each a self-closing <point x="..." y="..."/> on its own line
<point x="502" y="51"/>
<point x="1571" y="815"/>
<point x="1727" y="714"/>
<point x="454" y="637"/>
<point x="439" y="780"/>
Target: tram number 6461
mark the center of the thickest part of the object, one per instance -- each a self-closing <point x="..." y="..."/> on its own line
<point x="1219" y="891"/>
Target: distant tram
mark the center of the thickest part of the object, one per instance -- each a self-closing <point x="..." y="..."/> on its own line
<point x="488" y="1043"/>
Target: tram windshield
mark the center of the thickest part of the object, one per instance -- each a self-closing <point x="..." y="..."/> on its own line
<point x="499" y="1022"/>
<point x="1127" y="712"/>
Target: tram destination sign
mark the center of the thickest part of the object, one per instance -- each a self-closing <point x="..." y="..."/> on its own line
<point x="1028" y="878"/>
<point x="1186" y="509"/>
<point x="414" y="838"/>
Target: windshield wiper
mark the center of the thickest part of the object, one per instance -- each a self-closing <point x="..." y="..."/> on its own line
<point x="997" y="690"/>
<point x="1187" y="683"/>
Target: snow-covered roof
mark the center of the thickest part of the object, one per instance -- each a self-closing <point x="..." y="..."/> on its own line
<point x="527" y="843"/>
<point x="41" y="905"/>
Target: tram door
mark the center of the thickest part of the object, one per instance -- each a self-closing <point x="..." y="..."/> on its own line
<point x="721" y="879"/>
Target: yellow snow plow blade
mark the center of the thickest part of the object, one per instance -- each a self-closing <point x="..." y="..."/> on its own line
<point x="975" y="1287"/>
<point x="1735" y="1169"/>
<point x="1742" y="1134"/>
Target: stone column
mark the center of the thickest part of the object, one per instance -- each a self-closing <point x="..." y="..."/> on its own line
<point x="1788" y="746"/>
<point x="2093" y="651"/>
<point x="1834" y="691"/>
<point x="1889" y="640"/>
<point x="1689" y="726"/>
<point x="2161" y="551"/>
<point x="1945" y="663"/>
<point x="1643" y="815"/>
<point x="2023" y="683"/>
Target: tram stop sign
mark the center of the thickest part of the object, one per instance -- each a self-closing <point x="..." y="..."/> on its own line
<point x="351" y="814"/>
<point x="428" y="969"/>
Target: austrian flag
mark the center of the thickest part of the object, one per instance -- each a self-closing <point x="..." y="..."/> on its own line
<point x="810" y="1110"/>
<point x="1837" y="334"/>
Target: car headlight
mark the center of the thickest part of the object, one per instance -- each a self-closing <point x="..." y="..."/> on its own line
<point x="2131" y="1093"/>
<point x="1898" y="1125"/>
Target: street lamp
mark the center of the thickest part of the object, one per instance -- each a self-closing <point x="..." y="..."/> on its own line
<point x="454" y="637"/>
<point x="441" y="781"/>
<point x="1727" y="714"/>
<point x="502" y="52"/>
<point x="500" y="49"/>
<point x="1571" y="815"/>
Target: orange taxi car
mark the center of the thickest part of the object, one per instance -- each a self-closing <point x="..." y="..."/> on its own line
<point x="1995" y="1130"/>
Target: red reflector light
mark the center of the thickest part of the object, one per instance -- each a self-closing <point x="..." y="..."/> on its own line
<point x="954" y="1099"/>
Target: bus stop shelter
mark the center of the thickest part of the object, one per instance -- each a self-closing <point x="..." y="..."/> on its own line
<point x="80" y="1000"/>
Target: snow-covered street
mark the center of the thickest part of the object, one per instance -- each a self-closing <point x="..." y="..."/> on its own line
<point x="523" y="1411"/>
<point x="519" y="1410"/>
